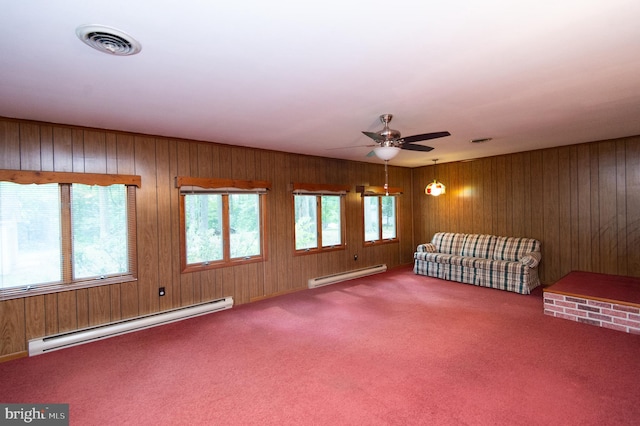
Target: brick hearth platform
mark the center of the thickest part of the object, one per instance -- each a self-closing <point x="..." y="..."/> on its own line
<point x="602" y="300"/>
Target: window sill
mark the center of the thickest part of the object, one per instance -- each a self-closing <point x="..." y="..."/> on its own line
<point x="318" y="251"/>
<point x="37" y="290"/>
<point x="381" y="242"/>
<point x="199" y="267"/>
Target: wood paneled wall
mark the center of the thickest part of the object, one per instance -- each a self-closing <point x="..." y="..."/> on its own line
<point x="26" y="145"/>
<point x="581" y="201"/>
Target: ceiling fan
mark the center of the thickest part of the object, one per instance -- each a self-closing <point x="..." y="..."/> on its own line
<point x="390" y="141"/>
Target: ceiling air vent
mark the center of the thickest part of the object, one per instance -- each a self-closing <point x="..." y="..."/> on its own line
<point x="108" y="40"/>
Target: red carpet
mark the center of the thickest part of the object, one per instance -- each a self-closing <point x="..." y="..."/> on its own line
<point x="394" y="349"/>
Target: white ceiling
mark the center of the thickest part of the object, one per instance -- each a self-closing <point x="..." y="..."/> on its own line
<point x="307" y="76"/>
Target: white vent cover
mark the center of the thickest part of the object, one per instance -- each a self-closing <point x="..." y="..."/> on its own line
<point x="108" y="40"/>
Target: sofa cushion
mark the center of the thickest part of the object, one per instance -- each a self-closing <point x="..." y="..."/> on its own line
<point x="501" y="266"/>
<point x="477" y="245"/>
<point x="448" y="242"/>
<point x="513" y="248"/>
<point x="452" y="259"/>
<point x="476" y="262"/>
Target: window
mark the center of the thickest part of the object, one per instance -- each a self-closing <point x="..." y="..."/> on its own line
<point x="306" y="221"/>
<point x="30" y="229"/>
<point x="222" y="222"/>
<point x="203" y="221"/>
<point x="65" y="235"/>
<point x="318" y="217"/>
<point x="379" y="214"/>
<point x="318" y="221"/>
<point x="99" y="237"/>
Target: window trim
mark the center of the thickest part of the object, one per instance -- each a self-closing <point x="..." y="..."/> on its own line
<point x="25" y="177"/>
<point x="192" y="185"/>
<point x="65" y="180"/>
<point x="318" y="190"/>
<point x="378" y="190"/>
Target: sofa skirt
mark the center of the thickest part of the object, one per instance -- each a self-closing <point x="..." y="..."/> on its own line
<point x="502" y="275"/>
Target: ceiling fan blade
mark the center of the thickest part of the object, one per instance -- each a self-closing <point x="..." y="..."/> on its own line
<point x="425" y="137"/>
<point x="350" y="147"/>
<point x="410" y="147"/>
<point x="371" y="154"/>
<point x="376" y="137"/>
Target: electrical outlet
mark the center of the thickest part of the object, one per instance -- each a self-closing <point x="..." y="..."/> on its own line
<point x="161" y="291"/>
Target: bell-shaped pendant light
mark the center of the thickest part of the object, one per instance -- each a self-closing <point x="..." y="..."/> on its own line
<point x="435" y="188"/>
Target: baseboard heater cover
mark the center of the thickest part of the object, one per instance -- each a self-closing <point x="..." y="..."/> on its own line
<point x="79" y="337"/>
<point x="343" y="276"/>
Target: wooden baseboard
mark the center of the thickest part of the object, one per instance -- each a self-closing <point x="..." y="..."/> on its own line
<point x="280" y="293"/>
<point x="15" y="355"/>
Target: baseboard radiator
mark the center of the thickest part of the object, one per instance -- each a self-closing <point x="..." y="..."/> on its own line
<point x="79" y="337"/>
<point x="343" y="276"/>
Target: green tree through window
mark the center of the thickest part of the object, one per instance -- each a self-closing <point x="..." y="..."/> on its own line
<point x="99" y="221"/>
<point x="318" y="222"/>
<point x="57" y="235"/>
<point x="380" y="221"/>
<point x="204" y="227"/>
<point x="221" y="228"/>
<point x="244" y="231"/>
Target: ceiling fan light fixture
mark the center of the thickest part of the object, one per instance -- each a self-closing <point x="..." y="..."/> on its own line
<point x="386" y="152"/>
<point x="391" y="141"/>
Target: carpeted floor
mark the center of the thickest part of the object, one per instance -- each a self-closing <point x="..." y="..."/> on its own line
<point x="394" y="349"/>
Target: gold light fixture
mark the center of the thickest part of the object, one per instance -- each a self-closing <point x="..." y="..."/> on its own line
<point x="435" y="188"/>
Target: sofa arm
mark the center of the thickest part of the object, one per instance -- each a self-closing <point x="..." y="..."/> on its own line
<point x="427" y="248"/>
<point x="531" y="259"/>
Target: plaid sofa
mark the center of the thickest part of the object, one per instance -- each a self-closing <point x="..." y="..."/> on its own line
<point x="505" y="263"/>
